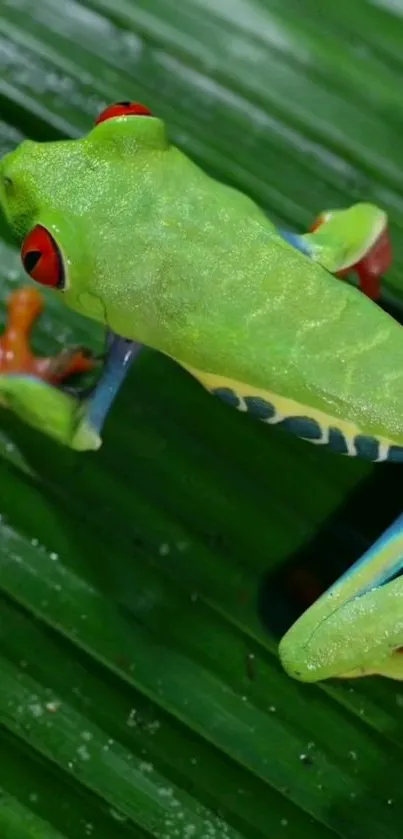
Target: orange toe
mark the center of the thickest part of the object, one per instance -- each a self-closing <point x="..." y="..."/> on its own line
<point x="67" y="363"/>
<point x="24" y="307"/>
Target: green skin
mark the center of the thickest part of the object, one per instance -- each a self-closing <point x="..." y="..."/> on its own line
<point x="164" y="255"/>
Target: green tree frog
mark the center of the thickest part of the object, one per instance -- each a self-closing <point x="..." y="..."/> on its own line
<point x="132" y="233"/>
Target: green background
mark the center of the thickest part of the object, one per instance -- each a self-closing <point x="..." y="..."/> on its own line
<point x="139" y="693"/>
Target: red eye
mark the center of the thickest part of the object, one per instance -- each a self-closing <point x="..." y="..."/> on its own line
<point x="123" y="109"/>
<point x="41" y="258"/>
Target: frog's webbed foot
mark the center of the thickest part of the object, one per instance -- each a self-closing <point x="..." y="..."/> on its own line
<point x="16" y="357"/>
<point x="353" y="240"/>
<point x="69" y="362"/>
<point x="30" y="385"/>
<point x="33" y="387"/>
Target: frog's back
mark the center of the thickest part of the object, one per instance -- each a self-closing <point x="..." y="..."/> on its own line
<point x="209" y="281"/>
<point x="277" y="336"/>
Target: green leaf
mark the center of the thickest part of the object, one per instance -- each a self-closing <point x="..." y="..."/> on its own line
<point x="140" y="691"/>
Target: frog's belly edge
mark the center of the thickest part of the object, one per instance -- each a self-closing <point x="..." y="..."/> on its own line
<point x="308" y="423"/>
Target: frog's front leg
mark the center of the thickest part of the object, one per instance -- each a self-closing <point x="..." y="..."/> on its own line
<point x="25" y="305"/>
<point x="33" y="386"/>
<point x="30" y="385"/>
<point x="94" y="410"/>
<point x="353" y="240"/>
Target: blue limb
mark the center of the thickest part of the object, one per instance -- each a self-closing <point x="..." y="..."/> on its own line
<point x="120" y="356"/>
<point x="121" y="353"/>
<point x="296" y="241"/>
<point x="381" y="562"/>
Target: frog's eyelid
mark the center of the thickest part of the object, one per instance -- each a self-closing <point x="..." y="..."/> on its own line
<point x="123" y="109"/>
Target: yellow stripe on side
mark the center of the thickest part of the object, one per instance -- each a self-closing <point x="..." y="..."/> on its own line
<point x="287" y="408"/>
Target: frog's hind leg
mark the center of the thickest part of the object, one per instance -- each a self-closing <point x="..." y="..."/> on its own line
<point x="355" y="628"/>
<point x="353" y="240"/>
<point x="345" y="241"/>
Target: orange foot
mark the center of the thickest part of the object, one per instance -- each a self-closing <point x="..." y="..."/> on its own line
<point x="24" y="307"/>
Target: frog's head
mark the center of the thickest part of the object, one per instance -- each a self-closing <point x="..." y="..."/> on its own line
<point x="72" y="204"/>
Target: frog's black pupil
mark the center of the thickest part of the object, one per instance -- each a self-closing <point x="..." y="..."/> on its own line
<point x="30" y="260"/>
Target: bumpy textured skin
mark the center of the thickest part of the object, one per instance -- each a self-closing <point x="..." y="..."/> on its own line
<point x="167" y="256"/>
<point x="356" y="628"/>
